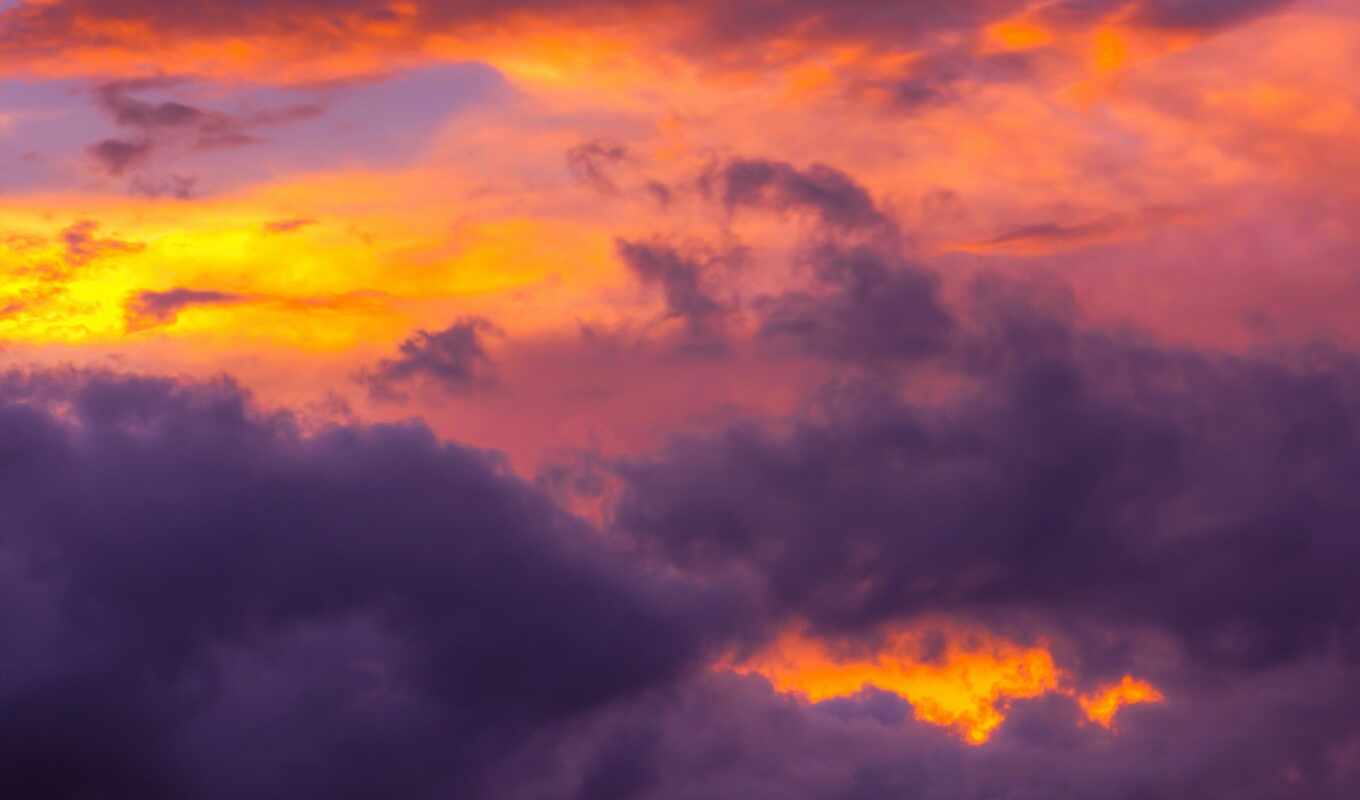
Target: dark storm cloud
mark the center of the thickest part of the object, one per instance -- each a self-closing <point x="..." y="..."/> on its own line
<point x="731" y="737"/>
<point x="149" y="309"/>
<point x="199" y="601"/>
<point x="1089" y="478"/>
<point x="450" y="360"/>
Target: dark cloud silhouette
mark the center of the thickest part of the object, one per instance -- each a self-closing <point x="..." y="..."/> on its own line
<point x="450" y="360"/>
<point x="1090" y="478"/>
<point x="211" y="604"/>
<point x="148" y="309"/>
<point x="731" y="737"/>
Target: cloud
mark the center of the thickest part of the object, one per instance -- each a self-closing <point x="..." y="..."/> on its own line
<point x="685" y="279"/>
<point x="115" y="99"/>
<point x="246" y="609"/>
<point x="1086" y="478"/>
<point x="82" y="246"/>
<point x="173" y="124"/>
<point x="868" y="306"/>
<point x="117" y="156"/>
<point x="833" y="197"/>
<point x="590" y="162"/>
<point x="450" y="360"/>
<point x="707" y="28"/>
<point x="1203" y="14"/>
<point x="148" y="309"/>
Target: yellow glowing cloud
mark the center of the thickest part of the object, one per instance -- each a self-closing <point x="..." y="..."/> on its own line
<point x="360" y="271"/>
<point x="966" y="684"/>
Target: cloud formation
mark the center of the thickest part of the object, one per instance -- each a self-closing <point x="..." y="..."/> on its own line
<point x="796" y="399"/>
<point x="450" y="360"/>
<point x="246" y="609"/>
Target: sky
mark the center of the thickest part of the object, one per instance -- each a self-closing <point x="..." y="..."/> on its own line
<point x="653" y="400"/>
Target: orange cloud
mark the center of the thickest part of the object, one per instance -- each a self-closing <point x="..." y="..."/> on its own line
<point x="964" y="680"/>
<point x="1102" y="706"/>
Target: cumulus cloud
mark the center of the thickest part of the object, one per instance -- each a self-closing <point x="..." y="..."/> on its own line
<point x="211" y="604"/>
<point x="868" y="306"/>
<point x="1088" y="477"/>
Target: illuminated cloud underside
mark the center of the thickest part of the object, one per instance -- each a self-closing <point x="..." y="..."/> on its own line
<point x="966" y="684"/>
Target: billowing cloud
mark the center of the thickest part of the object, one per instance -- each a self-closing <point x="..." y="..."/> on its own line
<point x="246" y="608"/>
<point x="868" y="306"/>
<point x="1087" y="478"/>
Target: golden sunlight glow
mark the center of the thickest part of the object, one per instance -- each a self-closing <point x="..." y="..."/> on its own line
<point x="965" y="686"/>
<point x="340" y="278"/>
<point x="964" y="681"/>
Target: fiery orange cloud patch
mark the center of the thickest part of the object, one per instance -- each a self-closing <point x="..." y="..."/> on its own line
<point x="1102" y="706"/>
<point x="965" y="681"/>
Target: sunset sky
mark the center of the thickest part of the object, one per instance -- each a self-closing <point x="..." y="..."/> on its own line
<point x="651" y="400"/>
